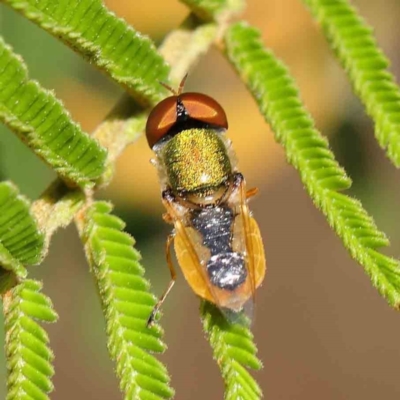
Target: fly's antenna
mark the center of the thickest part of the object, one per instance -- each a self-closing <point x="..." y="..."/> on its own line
<point x="173" y="91"/>
<point x="182" y="84"/>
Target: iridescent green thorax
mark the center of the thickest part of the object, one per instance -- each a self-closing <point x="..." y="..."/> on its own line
<point x="197" y="163"/>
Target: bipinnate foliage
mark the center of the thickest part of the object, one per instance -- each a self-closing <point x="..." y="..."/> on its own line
<point x="127" y="304"/>
<point x="21" y="241"/>
<point x="43" y="124"/>
<point x="131" y="60"/>
<point x="278" y="99"/>
<point x="129" y="57"/>
<point x="29" y="358"/>
<point x="234" y="350"/>
<point x="367" y="67"/>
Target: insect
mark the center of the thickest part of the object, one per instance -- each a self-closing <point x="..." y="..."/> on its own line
<point x="217" y="241"/>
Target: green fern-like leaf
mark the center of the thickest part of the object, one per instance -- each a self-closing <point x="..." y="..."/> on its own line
<point x="279" y="102"/>
<point x="41" y="121"/>
<point x="29" y="359"/>
<point x="234" y="350"/>
<point x="21" y="241"/>
<point x="211" y="9"/>
<point x="106" y="41"/>
<point x="127" y="304"/>
<point x="367" y="68"/>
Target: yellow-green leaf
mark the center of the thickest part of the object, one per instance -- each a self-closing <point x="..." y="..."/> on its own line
<point x="21" y="241"/>
<point x="108" y="42"/>
<point x="277" y="97"/>
<point x="29" y="358"/>
<point x="127" y="304"/>
<point x="40" y="120"/>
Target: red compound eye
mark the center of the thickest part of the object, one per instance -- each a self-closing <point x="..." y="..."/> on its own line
<point x="204" y="108"/>
<point x="198" y="106"/>
<point x="161" y="119"/>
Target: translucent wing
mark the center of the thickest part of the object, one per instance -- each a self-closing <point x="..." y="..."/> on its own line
<point x="197" y="244"/>
<point x="188" y="252"/>
<point x="247" y="239"/>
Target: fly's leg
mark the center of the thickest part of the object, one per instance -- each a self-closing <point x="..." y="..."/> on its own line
<point x="251" y="193"/>
<point x="167" y="218"/>
<point x="173" y="91"/>
<point x="238" y="181"/>
<point x="171" y="268"/>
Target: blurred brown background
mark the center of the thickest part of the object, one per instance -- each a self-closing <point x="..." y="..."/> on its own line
<point x="321" y="329"/>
